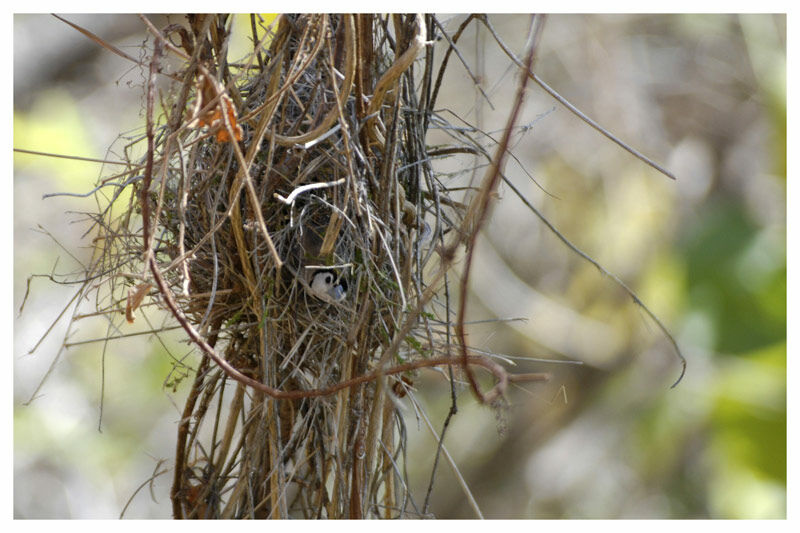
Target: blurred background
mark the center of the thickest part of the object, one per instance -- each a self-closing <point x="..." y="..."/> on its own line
<point x="704" y="95"/>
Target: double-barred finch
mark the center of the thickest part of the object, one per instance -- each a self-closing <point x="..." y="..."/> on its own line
<point x="328" y="286"/>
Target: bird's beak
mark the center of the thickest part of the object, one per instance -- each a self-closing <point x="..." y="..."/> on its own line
<point x="336" y="292"/>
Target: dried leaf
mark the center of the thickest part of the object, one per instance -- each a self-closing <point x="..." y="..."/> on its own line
<point x="208" y="89"/>
<point x="135" y="297"/>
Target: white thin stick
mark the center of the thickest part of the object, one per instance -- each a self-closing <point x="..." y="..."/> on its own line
<point x="289" y="200"/>
<point x="328" y="267"/>
<point x="321" y="138"/>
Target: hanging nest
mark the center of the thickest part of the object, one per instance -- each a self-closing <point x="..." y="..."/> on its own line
<point x="306" y="157"/>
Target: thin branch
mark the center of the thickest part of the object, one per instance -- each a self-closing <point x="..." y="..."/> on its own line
<point x="461" y="481"/>
<point x="605" y="272"/>
<point x="563" y="101"/>
<point x="73" y="157"/>
<point x="105" y="44"/>
<point x="90" y="193"/>
<point x="481" y="205"/>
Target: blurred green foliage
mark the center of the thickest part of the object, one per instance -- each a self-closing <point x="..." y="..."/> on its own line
<point x="747" y="309"/>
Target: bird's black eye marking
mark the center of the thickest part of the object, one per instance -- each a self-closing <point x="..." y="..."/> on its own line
<point x="328" y="278"/>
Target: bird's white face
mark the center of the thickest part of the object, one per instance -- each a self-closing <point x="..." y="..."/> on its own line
<point x="327" y="286"/>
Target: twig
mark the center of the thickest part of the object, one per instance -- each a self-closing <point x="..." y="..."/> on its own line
<point x="86" y="195"/>
<point x="452" y="41"/>
<point x="605" y="272"/>
<point x="322" y="129"/>
<point x="479" y="207"/>
<point x="580" y="114"/>
<point x="73" y="157"/>
<point x="108" y="46"/>
<point x="149" y="481"/>
<point x="461" y="481"/>
<point x="392" y="74"/>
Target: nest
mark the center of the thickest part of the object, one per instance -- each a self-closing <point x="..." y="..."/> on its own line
<point x="308" y="155"/>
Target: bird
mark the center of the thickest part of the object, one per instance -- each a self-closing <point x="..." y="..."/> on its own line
<point x="328" y="286"/>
